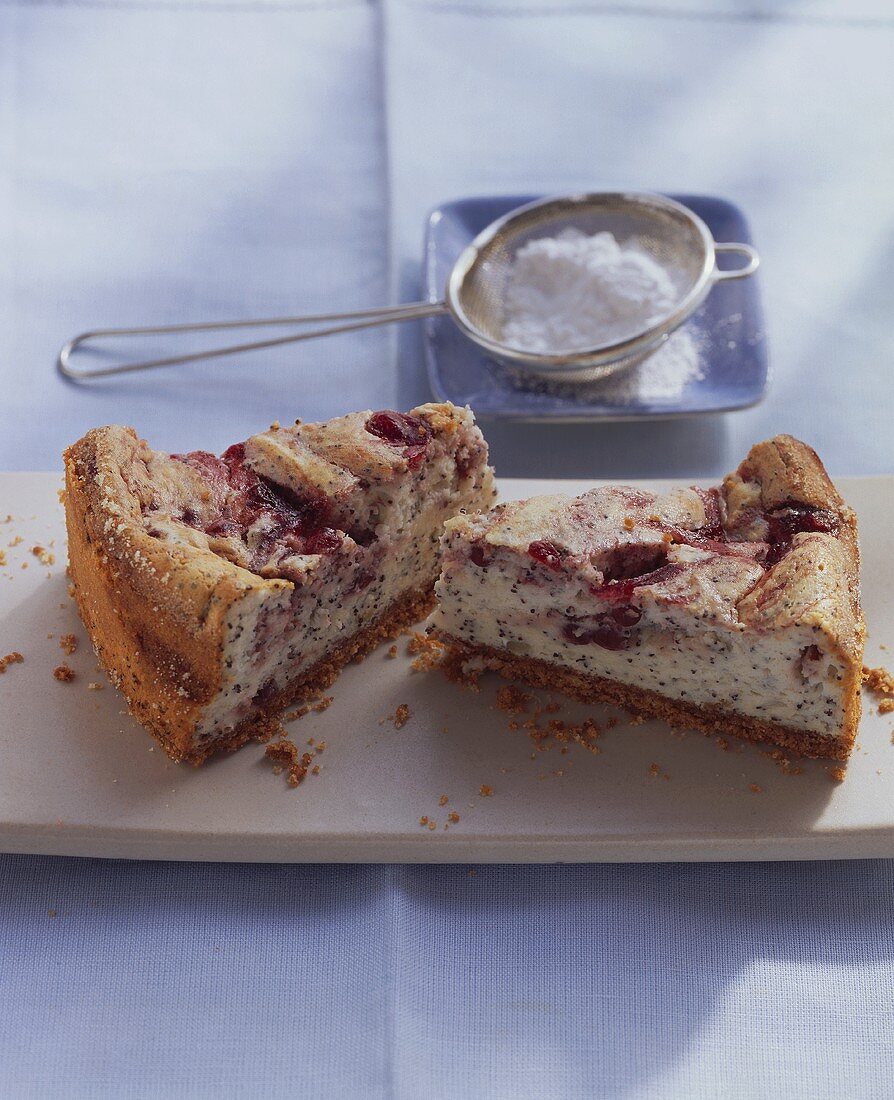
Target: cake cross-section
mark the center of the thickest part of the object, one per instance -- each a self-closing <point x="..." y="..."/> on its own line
<point x="218" y="590"/>
<point x="734" y="609"/>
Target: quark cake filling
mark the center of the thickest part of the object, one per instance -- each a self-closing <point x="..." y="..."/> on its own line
<point x="286" y="556"/>
<point x="739" y="600"/>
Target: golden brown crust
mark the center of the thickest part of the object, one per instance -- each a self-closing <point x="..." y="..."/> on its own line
<point x="156" y="614"/>
<point x="820" y="576"/>
<point x="790" y="471"/>
<point x="598" y="689"/>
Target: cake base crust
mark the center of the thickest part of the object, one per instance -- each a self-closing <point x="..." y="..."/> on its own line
<point x="709" y="720"/>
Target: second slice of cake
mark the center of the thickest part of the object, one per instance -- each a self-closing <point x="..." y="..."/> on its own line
<point x="731" y="610"/>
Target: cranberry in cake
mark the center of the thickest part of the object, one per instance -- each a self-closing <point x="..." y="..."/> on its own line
<point x="217" y="590"/>
<point x="731" y="610"/>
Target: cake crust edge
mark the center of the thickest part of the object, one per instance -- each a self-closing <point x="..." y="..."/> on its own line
<point x="589" y="688"/>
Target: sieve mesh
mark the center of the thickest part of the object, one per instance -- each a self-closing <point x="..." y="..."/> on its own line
<point x="672" y="235"/>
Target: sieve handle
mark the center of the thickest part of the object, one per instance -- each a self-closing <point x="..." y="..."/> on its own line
<point x="348" y="322"/>
<point x="749" y="268"/>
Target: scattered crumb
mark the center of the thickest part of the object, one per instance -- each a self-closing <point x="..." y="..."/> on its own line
<point x="288" y="757"/>
<point x="51" y="912"/>
<point x="453" y="817"/>
<point x="886" y="706"/>
<point x="432" y="825"/>
<point x="68" y="643"/>
<point x="392" y="652"/>
<point x="611" y="723"/>
<point x="315" y="770"/>
<point x="95" y="687"/>
<point x="838" y="773"/>
<point x="878" y="681"/>
<point x="423" y="820"/>
<point x="636" y="720"/>
<point x="783" y="762"/>
<point x="485" y="790"/>
<point x="400" y="717"/>
<point x="429" y="652"/>
<point x="629" y="523"/>
<point x="2" y="557"/>
<point x="315" y="706"/>
<point x="654" y="769"/>
<point x="24" y="565"/>
<point x="14" y="658"/>
<point x="512" y="699"/>
<point x="15" y="542"/>
<point x="443" y="800"/>
<point x="64" y="673"/>
<point x="755" y="789"/>
<point x="43" y="555"/>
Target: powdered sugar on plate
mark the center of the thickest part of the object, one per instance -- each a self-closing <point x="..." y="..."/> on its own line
<point x="658" y="379"/>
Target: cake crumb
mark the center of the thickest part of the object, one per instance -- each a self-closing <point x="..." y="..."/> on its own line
<point x="316" y="706"/>
<point x="886" y="706"/>
<point x="2" y="557"/>
<point x="51" y="912"/>
<point x="485" y="790"/>
<point x="289" y="758"/>
<point x="755" y="789"/>
<point x="878" y="681"/>
<point x="512" y="699"/>
<point x="14" y="658"/>
<point x="629" y="523"/>
<point x="837" y="773"/>
<point x="423" y="820"/>
<point x="636" y="720"/>
<point x="43" y="555"/>
<point x="94" y="686"/>
<point x="400" y="717"/>
<point x="654" y="769"/>
<point x="453" y="817"/>
<point x="428" y="652"/>
<point x="443" y="800"/>
<point x="392" y="652"/>
<point x="432" y="825"/>
<point x="16" y="541"/>
<point x="68" y="643"/>
<point x="64" y="673"/>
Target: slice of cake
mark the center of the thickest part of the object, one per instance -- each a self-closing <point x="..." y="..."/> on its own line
<point x="730" y="610"/>
<point x="219" y="590"/>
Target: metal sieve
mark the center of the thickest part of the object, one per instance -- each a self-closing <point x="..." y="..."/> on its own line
<point x="669" y="232"/>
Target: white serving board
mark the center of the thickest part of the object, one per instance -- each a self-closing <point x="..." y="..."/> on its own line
<point x="79" y="777"/>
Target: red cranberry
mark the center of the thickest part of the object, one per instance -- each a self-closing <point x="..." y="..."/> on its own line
<point x="791" y="520"/>
<point x="478" y="555"/>
<point x="398" y="429"/>
<point x="322" y="541"/>
<point x="265" y="694"/>
<point x="363" y="580"/>
<point x="610" y="630"/>
<point x="547" y="553"/>
<point x="713" y="526"/>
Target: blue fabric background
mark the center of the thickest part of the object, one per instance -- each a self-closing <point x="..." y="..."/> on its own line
<point x="165" y="161"/>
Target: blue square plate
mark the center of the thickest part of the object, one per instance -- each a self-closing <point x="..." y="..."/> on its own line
<point x="728" y="329"/>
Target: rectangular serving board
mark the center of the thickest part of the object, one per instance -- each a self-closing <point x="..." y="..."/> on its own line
<point x="79" y="777"/>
